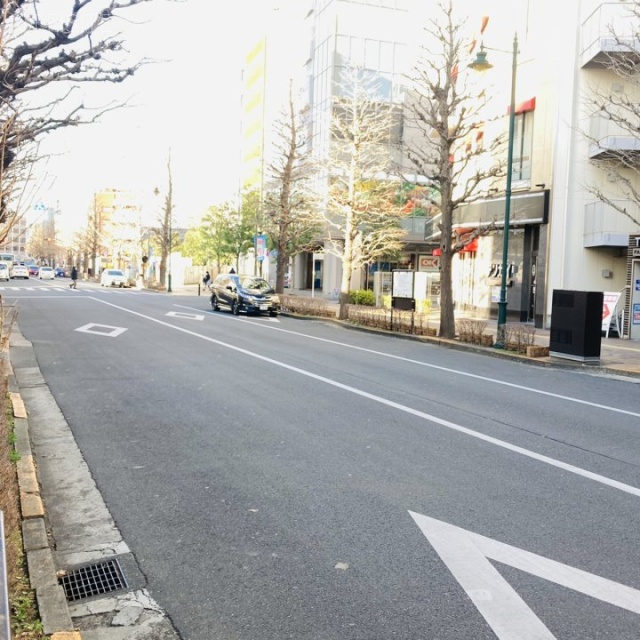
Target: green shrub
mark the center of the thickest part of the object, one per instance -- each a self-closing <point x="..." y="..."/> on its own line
<point x="363" y="297"/>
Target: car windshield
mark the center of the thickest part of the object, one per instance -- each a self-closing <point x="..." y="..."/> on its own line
<point x="257" y="284"/>
<point x="114" y="272"/>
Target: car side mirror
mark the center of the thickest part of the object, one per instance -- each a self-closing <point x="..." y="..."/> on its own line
<point x="229" y="287"/>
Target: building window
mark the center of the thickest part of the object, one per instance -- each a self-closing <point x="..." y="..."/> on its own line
<point x="522" y="146"/>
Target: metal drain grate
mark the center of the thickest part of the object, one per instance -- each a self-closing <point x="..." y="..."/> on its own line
<point x="93" y="580"/>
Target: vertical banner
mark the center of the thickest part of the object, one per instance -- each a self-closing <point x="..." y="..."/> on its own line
<point x="261" y="247"/>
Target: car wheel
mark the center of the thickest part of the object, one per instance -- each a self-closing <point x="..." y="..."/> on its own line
<point x="214" y="303"/>
<point x="273" y="314"/>
<point x="235" y="308"/>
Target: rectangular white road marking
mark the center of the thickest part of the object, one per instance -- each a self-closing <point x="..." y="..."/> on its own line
<point x="101" y="330"/>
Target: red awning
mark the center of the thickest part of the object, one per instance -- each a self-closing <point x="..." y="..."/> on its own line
<point x="525" y="105"/>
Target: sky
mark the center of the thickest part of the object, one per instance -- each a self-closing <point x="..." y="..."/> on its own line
<point x="185" y="107"/>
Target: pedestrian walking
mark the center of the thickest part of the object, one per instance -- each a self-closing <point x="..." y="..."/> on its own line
<point x="207" y="279"/>
<point x="74" y="278"/>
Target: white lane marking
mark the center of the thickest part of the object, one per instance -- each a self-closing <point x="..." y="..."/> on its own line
<point x="187" y="316"/>
<point x="512" y="385"/>
<point x="615" y="484"/>
<point x="466" y="555"/>
<point x="101" y="330"/>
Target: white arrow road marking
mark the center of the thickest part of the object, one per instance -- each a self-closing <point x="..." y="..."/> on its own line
<point x="466" y="555"/>
<point x="101" y="330"/>
<point x="188" y="316"/>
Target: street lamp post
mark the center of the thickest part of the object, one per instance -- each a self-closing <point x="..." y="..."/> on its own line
<point x="481" y="63"/>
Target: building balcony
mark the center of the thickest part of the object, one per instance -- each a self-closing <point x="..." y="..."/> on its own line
<point x="605" y="226"/>
<point x="420" y="229"/>
<point x="611" y="142"/>
<point x="609" y="33"/>
<point x="614" y="148"/>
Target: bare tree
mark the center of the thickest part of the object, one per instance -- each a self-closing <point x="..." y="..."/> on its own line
<point x="164" y="231"/>
<point x="616" y="109"/>
<point x="362" y="214"/>
<point x="46" y="52"/>
<point x="93" y="234"/>
<point x="291" y="219"/>
<point x="446" y="145"/>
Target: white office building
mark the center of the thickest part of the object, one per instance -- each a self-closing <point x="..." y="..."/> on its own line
<point x="574" y="219"/>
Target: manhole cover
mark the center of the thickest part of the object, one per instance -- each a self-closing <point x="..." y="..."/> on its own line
<point x="93" y="580"/>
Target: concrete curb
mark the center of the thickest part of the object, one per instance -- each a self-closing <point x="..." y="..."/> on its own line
<point x="50" y="596"/>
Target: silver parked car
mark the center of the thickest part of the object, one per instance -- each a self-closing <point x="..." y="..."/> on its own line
<point x="113" y="278"/>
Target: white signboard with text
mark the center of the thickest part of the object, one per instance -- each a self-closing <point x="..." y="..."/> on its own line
<point x="402" y="286"/>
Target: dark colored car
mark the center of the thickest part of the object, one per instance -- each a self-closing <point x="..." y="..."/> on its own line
<point x="60" y="272"/>
<point x="34" y="270"/>
<point x="249" y="294"/>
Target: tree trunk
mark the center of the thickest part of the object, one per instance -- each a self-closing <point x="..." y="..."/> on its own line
<point x="282" y="262"/>
<point x="163" y="270"/>
<point x="345" y="284"/>
<point x="447" y="318"/>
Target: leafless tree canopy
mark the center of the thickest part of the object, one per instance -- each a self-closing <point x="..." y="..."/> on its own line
<point x="362" y="214"/>
<point x="291" y="214"/>
<point x="46" y="50"/>
<point x="446" y="142"/>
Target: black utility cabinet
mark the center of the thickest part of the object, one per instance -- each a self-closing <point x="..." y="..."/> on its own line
<point x="576" y="325"/>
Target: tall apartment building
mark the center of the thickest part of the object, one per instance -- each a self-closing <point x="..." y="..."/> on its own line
<point x="561" y="236"/>
<point x="114" y="230"/>
<point x="17" y="239"/>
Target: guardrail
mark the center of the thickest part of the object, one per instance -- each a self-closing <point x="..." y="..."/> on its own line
<point x="5" y="629"/>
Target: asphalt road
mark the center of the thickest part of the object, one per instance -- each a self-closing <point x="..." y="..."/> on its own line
<point x="286" y="478"/>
